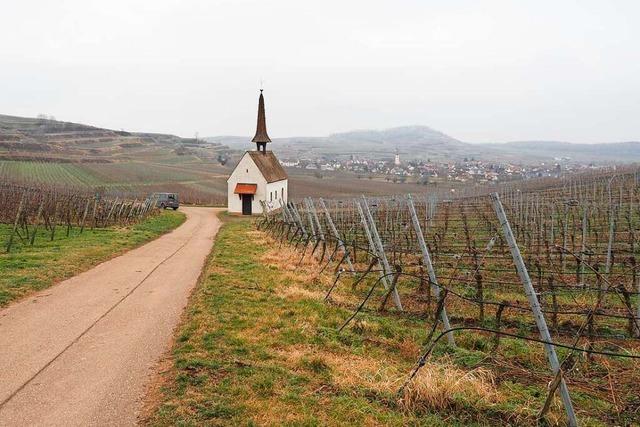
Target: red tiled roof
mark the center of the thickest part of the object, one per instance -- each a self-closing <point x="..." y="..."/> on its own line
<point x="246" y="188"/>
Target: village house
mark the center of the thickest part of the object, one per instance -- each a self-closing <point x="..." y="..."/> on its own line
<point x="258" y="178"/>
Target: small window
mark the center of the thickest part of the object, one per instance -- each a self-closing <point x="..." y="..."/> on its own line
<point x="247" y="170"/>
<point x="282" y="193"/>
<point x="271" y="196"/>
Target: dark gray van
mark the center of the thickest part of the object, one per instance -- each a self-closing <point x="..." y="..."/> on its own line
<point x="166" y="200"/>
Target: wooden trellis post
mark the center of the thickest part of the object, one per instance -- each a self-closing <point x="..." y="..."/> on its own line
<point x="637" y="322"/>
<point x="119" y="215"/>
<point x="133" y="206"/>
<point x="583" y="248"/>
<point x="612" y="231"/>
<point x="95" y="207"/>
<point x="38" y="219"/>
<point x="17" y="221"/>
<point x="84" y="216"/>
<point x="265" y="211"/>
<point x="312" y="226"/>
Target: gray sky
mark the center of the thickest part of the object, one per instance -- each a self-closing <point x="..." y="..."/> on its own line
<point x="477" y="70"/>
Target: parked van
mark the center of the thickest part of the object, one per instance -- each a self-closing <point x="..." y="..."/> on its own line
<point x="166" y="200"/>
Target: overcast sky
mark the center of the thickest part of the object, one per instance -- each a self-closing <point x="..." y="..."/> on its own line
<point x="481" y="71"/>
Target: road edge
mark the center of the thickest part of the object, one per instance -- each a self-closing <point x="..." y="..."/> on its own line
<point x="150" y="400"/>
<point x="112" y="256"/>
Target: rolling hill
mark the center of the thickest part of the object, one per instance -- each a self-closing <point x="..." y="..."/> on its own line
<point x="624" y="152"/>
<point x="422" y="142"/>
<point x="45" y="139"/>
<point x="43" y="151"/>
<point x="63" y="153"/>
<point x="415" y="141"/>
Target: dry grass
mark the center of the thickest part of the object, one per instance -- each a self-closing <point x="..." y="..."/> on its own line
<point x="348" y="371"/>
<point x="259" y="347"/>
<point x="443" y="386"/>
<point x="294" y="272"/>
<point x="352" y="371"/>
<point x="297" y="293"/>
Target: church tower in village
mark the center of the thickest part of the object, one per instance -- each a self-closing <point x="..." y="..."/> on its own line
<point x="396" y="159"/>
<point x="258" y="181"/>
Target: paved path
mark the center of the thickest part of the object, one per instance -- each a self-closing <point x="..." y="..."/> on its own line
<point x="80" y="353"/>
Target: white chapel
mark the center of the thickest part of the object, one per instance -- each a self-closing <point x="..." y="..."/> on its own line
<point x="258" y="177"/>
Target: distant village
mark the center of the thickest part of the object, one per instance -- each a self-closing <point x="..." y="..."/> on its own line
<point x="468" y="170"/>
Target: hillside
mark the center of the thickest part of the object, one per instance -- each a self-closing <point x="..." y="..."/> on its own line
<point x="542" y="150"/>
<point x="45" y="139"/>
<point x="422" y="142"/>
<point x="47" y="151"/>
<point x="44" y="151"/>
<point x="414" y="141"/>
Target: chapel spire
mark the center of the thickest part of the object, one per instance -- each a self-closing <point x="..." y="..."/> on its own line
<point x="261" y="138"/>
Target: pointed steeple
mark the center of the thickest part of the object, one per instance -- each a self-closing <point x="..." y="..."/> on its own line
<point x="261" y="138"/>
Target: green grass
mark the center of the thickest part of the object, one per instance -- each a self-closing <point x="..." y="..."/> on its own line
<point x="31" y="268"/>
<point x="121" y="174"/>
<point x="195" y="186"/>
<point x="258" y="346"/>
<point x="43" y="172"/>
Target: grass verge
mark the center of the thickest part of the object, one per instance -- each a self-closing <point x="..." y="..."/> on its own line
<point x="27" y="269"/>
<point x="258" y="346"/>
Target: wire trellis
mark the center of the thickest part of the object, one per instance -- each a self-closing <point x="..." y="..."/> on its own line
<point x="452" y="262"/>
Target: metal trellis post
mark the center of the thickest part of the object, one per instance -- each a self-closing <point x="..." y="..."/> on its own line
<point x="426" y="258"/>
<point x="535" y="306"/>
<point x="380" y="250"/>
<point x="341" y="244"/>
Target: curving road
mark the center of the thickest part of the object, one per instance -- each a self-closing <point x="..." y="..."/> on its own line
<point x="81" y="352"/>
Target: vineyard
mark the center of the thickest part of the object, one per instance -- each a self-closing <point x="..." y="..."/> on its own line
<point x="26" y="210"/>
<point x="130" y="179"/>
<point x="540" y="285"/>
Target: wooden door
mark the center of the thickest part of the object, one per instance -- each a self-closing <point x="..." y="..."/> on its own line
<point x="246" y="204"/>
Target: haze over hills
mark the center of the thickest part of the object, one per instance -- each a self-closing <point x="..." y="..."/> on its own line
<point x="45" y="151"/>
<point x="414" y="141"/>
<point x="626" y="152"/>
<point x="423" y="142"/>
<point x="50" y="140"/>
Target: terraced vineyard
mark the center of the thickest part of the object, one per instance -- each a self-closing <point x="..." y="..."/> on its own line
<point x="41" y="151"/>
<point x="124" y="178"/>
<point x="41" y="172"/>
